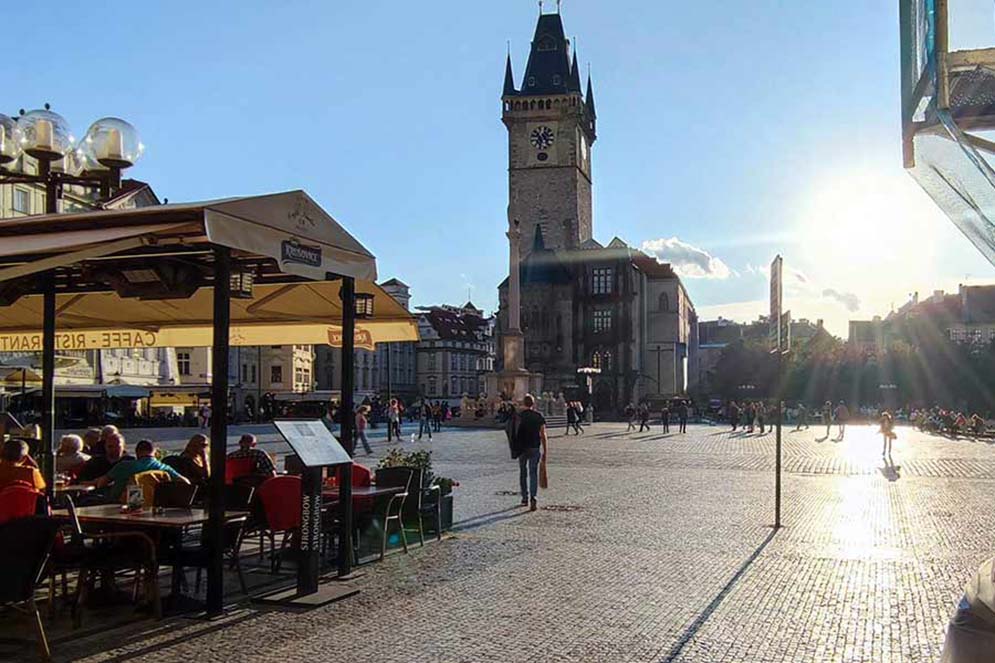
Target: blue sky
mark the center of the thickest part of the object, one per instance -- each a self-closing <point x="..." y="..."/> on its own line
<point x="740" y="129"/>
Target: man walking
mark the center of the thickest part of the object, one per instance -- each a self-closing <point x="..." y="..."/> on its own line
<point x="425" y="423"/>
<point x="682" y="416"/>
<point x="630" y="416"/>
<point x="644" y="418"/>
<point x="665" y="417"/>
<point x="802" y="417"/>
<point x="842" y="414"/>
<point x="532" y="445"/>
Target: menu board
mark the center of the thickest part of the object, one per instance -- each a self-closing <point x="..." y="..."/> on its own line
<point x="312" y="442"/>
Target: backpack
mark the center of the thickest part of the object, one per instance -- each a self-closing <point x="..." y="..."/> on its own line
<point x="511" y="430"/>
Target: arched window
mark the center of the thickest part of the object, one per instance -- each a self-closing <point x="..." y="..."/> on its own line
<point x="532" y="104"/>
<point x="606" y="361"/>
<point x="596" y="359"/>
<point x="664" y="302"/>
<point x="549" y="104"/>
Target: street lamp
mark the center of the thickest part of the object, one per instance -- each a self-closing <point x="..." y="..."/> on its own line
<point x="364" y="305"/>
<point x="109" y="146"/>
<point x="589" y="372"/>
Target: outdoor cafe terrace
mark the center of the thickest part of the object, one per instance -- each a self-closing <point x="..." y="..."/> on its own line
<point x="148" y="277"/>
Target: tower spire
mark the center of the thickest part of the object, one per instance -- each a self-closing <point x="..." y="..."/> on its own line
<point x="589" y="97"/>
<point x="574" y="83"/>
<point x="509" y="79"/>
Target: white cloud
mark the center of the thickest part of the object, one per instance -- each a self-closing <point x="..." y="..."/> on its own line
<point x="849" y="300"/>
<point x="687" y="260"/>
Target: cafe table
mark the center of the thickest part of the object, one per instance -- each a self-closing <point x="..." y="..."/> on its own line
<point x="174" y="520"/>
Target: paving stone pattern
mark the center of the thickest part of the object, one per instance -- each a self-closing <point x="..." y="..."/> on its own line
<point x="656" y="548"/>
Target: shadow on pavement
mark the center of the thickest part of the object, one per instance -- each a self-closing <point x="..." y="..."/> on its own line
<point x="700" y="620"/>
<point x="489" y="518"/>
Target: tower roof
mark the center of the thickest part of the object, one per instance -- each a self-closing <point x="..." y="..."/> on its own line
<point x="509" y="79"/>
<point x="574" y="84"/>
<point x="589" y="97"/>
<point x="548" y="69"/>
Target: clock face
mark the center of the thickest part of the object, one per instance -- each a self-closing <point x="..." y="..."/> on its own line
<point x="542" y="137"/>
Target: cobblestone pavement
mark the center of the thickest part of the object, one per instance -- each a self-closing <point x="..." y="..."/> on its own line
<point x="648" y="547"/>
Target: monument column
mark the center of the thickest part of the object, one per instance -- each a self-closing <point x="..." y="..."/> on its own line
<point x="513" y="341"/>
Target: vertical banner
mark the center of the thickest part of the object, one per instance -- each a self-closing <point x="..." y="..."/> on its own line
<point x="774" y="334"/>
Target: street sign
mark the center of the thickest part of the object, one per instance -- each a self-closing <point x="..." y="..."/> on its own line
<point x="774" y="335"/>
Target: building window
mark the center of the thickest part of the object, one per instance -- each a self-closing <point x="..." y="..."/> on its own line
<point x="601" y="281"/>
<point x="253" y="373"/>
<point x="664" y="302"/>
<point x="276" y="374"/>
<point x="431" y="360"/>
<point x="606" y="361"/>
<point x="431" y="385"/>
<point x="183" y="362"/>
<point x="532" y="81"/>
<point x="602" y="320"/>
<point x="453" y="361"/>
<point x="245" y="372"/>
<point x="455" y="382"/>
<point x="22" y="201"/>
<point x="596" y="360"/>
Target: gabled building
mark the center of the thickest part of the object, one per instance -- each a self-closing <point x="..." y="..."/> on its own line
<point x="456" y="350"/>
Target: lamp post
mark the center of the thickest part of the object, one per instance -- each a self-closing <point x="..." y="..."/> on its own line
<point x="589" y="372"/>
<point x="43" y="138"/>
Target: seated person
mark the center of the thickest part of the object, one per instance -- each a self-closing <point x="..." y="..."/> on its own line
<point x="15" y="467"/>
<point x="106" y="433"/>
<point x="70" y="456"/>
<point x="116" y="480"/>
<point x="262" y="463"/>
<point x="193" y="462"/>
<point x="91" y="439"/>
<point x="100" y="465"/>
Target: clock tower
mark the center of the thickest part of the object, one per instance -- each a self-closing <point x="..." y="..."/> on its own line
<point x="551" y="128"/>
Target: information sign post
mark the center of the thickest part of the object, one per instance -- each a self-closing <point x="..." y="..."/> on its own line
<point x="317" y="448"/>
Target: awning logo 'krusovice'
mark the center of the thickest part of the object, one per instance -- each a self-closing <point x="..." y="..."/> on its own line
<point x="294" y="251"/>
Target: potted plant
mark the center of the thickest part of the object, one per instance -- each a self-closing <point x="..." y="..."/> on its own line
<point x="420" y="491"/>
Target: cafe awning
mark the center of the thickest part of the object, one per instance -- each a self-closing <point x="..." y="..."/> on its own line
<point x="107" y="296"/>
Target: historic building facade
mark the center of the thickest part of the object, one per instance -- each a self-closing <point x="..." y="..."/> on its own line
<point x="455" y="352"/>
<point x="583" y="304"/>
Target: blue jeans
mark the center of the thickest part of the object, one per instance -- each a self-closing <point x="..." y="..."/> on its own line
<point x="366" y="443"/>
<point x="528" y="472"/>
<point x="425" y="426"/>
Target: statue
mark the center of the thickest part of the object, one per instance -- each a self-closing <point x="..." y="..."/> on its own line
<point x="560" y="408"/>
<point x="466" y="407"/>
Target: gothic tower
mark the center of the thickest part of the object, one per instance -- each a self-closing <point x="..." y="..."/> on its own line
<point x="551" y="128"/>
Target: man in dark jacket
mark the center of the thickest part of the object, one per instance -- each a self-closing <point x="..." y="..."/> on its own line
<point x="532" y="445"/>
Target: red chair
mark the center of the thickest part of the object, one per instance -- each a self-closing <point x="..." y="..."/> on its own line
<point x="18" y="501"/>
<point x="361" y="476"/>
<point x="235" y="468"/>
<point x="281" y="501"/>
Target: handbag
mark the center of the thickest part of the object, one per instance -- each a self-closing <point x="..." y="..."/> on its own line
<point x="543" y="477"/>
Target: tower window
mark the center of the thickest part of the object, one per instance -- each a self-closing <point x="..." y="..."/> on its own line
<point x="601" y="281"/>
<point x="532" y="81"/>
<point x="546" y="43"/>
<point x="556" y="79"/>
<point x="602" y="320"/>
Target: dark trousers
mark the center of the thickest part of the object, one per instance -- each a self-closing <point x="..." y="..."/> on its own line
<point x="528" y="472"/>
<point x="666" y="424"/>
<point x="683" y="424"/>
<point x="643" y="424"/>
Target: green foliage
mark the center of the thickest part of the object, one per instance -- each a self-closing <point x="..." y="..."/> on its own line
<point x="399" y="458"/>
